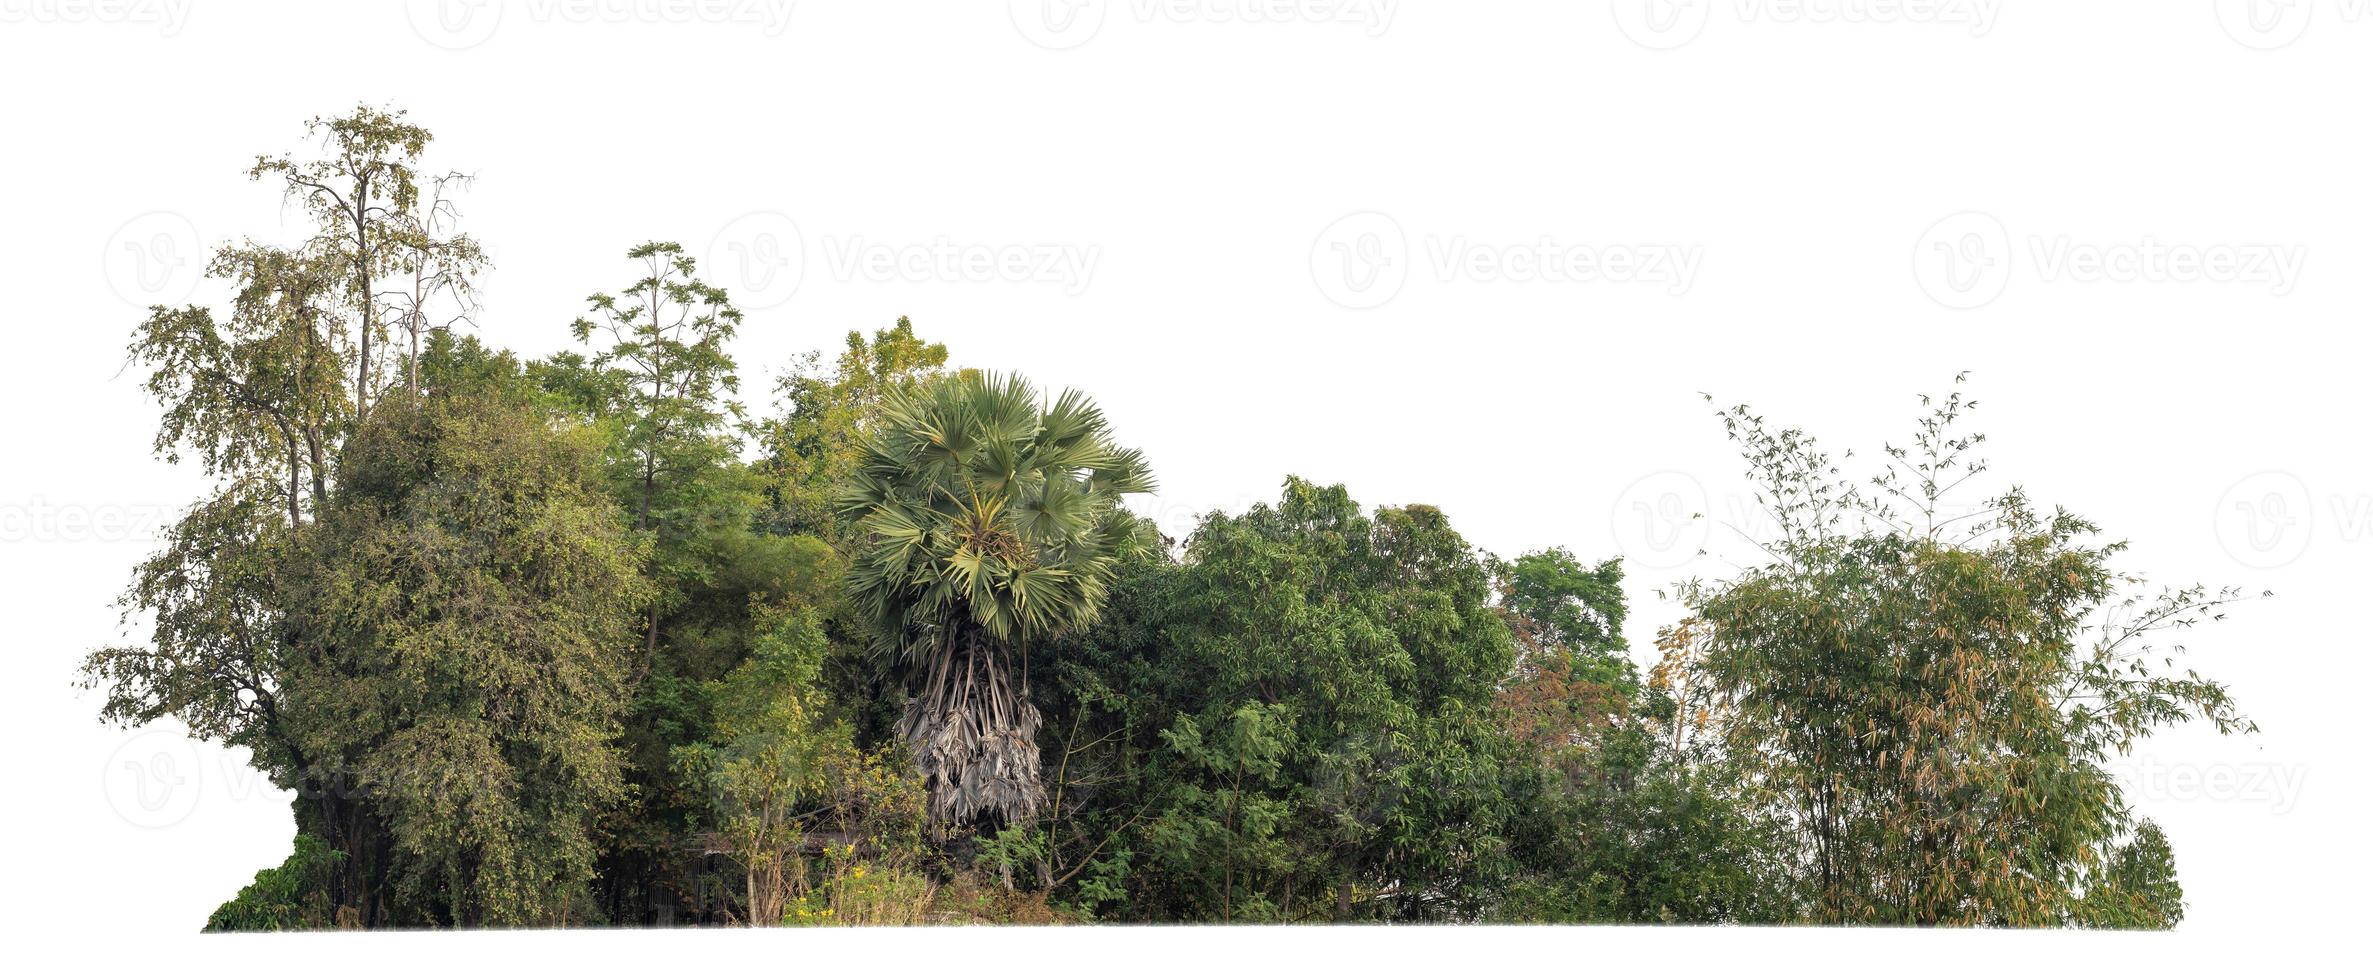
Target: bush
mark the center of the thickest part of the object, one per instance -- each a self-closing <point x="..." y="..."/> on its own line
<point x="863" y="893"/>
<point x="295" y="895"/>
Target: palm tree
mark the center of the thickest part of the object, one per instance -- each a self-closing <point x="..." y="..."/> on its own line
<point x="986" y="523"/>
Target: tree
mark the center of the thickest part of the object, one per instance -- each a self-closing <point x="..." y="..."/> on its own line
<point x="371" y="226"/>
<point x="460" y="616"/>
<point x="1573" y="683"/>
<point x="817" y="438"/>
<point x="219" y="653"/>
<point x="1631" y="830"/>
<point x="1566" y="606"/>
<point x="533" y="645"/>
<point x="1934" y="712"/>
<point x="260" y="398"/>
<point x="1295" y="720"/>
<point x="988" y="523"/>
<point x="1368" y="649"/>
<point x="771" y="758"/>
<point x="667" y="334"/>
<point x="661" y="382"/>
<point x="1625" y="825"/>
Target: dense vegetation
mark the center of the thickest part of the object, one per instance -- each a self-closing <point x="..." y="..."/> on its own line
<point x="583" y="640"/>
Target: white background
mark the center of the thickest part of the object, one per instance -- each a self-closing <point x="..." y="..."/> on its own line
<point x="1301" y="238"/>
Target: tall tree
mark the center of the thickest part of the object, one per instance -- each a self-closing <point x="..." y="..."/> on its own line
<point x="660" y="381"/>
<point x="989" y="523"/>
<point x="1932" y="693"/>
<point x="461" y="613"/>
<point x="260" y="398"/>
<point x="371" y="227"/>
<point x="666" y="335"/>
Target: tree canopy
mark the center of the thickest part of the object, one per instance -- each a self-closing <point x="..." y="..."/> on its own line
<point x="583" y="640"/>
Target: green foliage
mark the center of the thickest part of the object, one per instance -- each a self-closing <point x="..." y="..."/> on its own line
<point x="260" y="398"/>
<point x="659" y="387"/>
<point x="1635" y="830"/>
<point x="771" y="759"/>
<point x="1353" y="661"/>
<point x="2135" y="888"/>
<point x="461" y="610"/>
<point x="1295" y="722"/>
<point x="669" y="375"/>
<point x="815" y="442"/>
<point x="1227" y="813"/>
<point x="665" y="378"/>
<point x="988" y="523"/>
<point x="1624" y="825"/>
<point x="295" y="895"/>
<point x="979" y="507"/>
<point x="535" y="645"/>
<point x="1571" y="607"/>
<point x="1933" y="713"/>
<point x="213" y="594"/>
<point x="380" y="249"/>
<point x="859" y="892"/>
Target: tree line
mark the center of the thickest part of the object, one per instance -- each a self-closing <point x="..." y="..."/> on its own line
<point x="584" y="640"/>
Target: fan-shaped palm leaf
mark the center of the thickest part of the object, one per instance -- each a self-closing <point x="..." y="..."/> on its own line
<point x="989" y="523"/>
